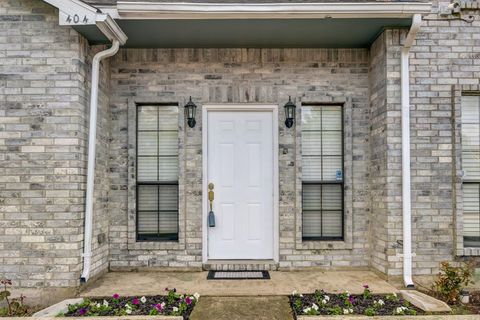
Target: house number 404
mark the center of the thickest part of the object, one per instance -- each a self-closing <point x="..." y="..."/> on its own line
<point x="76" y="19"/>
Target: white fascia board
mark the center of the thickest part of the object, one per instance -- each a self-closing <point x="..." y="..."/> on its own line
<point x="78" y="13"/>
<point x="172" y="10"/>
<point x="110" y="29"/>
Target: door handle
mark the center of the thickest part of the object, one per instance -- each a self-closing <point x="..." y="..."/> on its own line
<point x="211" y="197"/>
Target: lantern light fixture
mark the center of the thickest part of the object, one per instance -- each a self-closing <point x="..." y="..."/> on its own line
<point x="190" y="110"/>
<point x="289" y="113"/>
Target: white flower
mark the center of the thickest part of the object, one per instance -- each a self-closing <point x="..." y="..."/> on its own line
<point x="351" y="310"/>
<point x="128" y="310"/>
<point x="301" y="295"/>
<point x="345" y="311"/>
<point x="401" y="310"/>
<point x="324" y="301"/>
<point x="105" y="303"/>
<point x="143" y="299"/>
<point x="380" y="302"/>
<point x="314" y="307"/>
<point x="128" y="306"/>
<point x="175" y="309"/>
<point x="307" y="310"/>
<point x="98" y="305"/>
<point x="196" y="295"/>
<point x="294" y="292"/>
<point x="394" y="294"/>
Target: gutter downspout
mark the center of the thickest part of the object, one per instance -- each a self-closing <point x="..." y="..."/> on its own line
<point x="406" y="186"/>
<point x="92" y="136"/>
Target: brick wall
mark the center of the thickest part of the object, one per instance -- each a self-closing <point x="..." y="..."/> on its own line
<point x="444" y="55"/>
<point x="44" y="91"/>
<point x="236" y="76"/>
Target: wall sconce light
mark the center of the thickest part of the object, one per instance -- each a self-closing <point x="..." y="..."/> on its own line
<point x="289" y="113"/>
<point x="190" y="109"/>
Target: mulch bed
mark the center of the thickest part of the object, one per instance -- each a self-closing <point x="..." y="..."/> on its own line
<point x="139" y="309"/>
<point x="360" y="304"/>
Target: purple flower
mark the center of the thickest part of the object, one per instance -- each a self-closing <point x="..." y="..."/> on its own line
<point x="351" y="299"/>
<point x="159" y="307"/>
<point x="82" y="311"/>
<point x="116" y="296"/>
<point x="366" y="286"/>
<point x="188" y="301"/>
<point x="135" y="301"/>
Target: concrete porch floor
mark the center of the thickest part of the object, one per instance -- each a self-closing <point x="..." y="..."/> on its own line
<point x="281" y="283"/>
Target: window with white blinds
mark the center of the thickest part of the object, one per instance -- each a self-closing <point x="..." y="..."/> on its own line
<point x="157" y="172"/>
<point x="471" y="170"/>
<point x="322" y="172"/>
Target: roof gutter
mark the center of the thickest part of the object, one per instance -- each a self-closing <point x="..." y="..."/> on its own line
<point x="406" y="185"/>
<point x="175" y="10"/>
<point x="76" y="12"/>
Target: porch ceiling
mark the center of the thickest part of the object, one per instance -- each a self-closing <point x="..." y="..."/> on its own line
<point x="249" y="33"/>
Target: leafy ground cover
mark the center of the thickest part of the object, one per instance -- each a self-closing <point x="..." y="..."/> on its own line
<point x="322" y="303"/>
<point x="13" y="307"/>
<point x="171" y="304"/>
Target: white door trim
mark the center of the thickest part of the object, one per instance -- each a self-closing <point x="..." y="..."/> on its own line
<point x="239" y="107"/>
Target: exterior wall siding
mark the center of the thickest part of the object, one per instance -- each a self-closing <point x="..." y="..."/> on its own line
<point x="444" y="58"/>
<point x="44" y="96"/>
<point x="44" y="93"/>
<point x="236" y="76"/>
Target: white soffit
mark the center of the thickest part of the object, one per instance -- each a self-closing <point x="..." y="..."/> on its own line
<point x="180" y="10"/>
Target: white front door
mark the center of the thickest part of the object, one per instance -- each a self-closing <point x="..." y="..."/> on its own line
<point x="240" y="165"/>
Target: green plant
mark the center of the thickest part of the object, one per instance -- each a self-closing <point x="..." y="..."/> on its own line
<point x="14" y="306"/>
<point x="451" y="280"/>
<point x="366" y="291"/>
<point x="297" y="304"/>
<point x="337" y="310"/>
<point x="369" y="312"/>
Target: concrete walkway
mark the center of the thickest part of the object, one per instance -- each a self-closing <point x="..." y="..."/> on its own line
<point x="281" y="283"/>
<point x="242" y="308"/>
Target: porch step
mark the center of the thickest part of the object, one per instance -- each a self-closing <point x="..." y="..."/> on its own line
<point x="233" y="265"/>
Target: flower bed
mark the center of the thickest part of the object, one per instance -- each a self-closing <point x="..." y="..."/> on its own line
<point x="321" y="303"/>
<point x="172" y="304"/>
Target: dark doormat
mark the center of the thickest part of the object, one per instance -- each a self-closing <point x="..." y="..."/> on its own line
<point x="238" y="275"/>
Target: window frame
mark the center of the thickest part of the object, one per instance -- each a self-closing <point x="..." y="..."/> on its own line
<point x="138" y="184"/>
<point x="327" y="182"/>
<point x="467" y="180"/>
<point x="458" y="91"/>
<point x="131" y="191"/>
